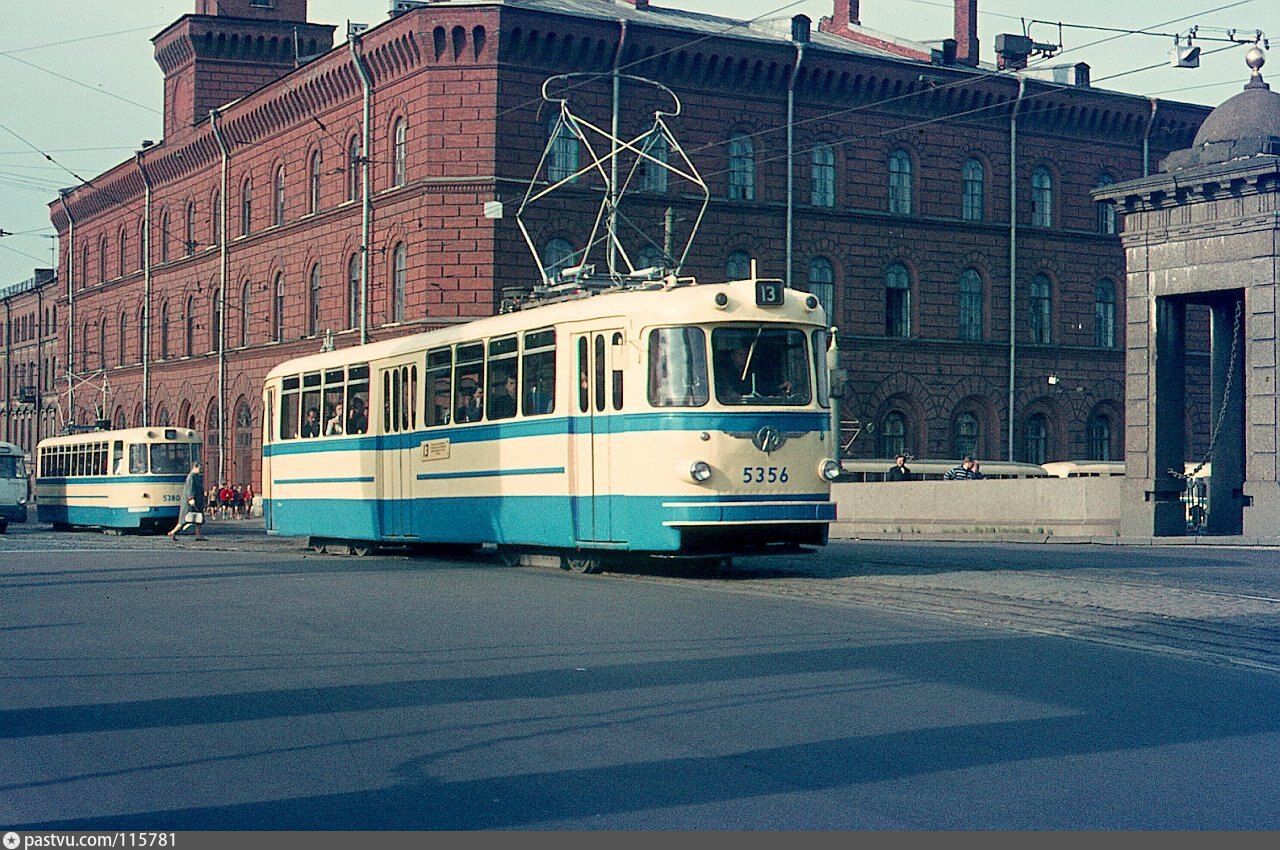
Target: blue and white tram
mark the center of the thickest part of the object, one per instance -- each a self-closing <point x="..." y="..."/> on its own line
<point x="13" y="485"/>
<point x="114" y="480"/>
<point x="677" y="420"/>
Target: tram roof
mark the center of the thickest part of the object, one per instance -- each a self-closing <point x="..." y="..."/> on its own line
<point x="685" y="303"/>
<point x="128" y="435"/>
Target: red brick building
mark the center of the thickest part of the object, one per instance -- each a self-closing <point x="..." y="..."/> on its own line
<point x="306" y="195"/>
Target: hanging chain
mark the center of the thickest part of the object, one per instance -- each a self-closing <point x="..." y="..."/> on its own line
<point x="1226" y="394"/>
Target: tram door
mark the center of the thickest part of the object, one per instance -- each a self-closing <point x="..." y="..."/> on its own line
<point x="399" y="414"/>
<point x="598" y="364"/>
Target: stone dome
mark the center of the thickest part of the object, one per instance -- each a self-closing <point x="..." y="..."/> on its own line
<point x="1253" y="113"/>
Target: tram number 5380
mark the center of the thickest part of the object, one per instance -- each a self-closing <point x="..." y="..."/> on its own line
<point x="765" y="475"/>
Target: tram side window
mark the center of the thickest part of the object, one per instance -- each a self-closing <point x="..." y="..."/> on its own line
<point x="504" y="389"/>
<point x="439" y="368"/>
<point x="358" y="399"/>
<point x="468" y="383"/>
<point x="137" y="459"/>
<point x="539" y="372"/>
<point x="821" y="342"/>
<point x="678" y="367"/>
<point x="333" y="419"/>
<point x="117" y="457"/>
<point x="289" y="408"/>
<point x="311" y="408"/>
<point x="584" y="375"/>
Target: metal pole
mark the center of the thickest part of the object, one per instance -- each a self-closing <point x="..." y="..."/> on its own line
<point x="613" y="162"/>
<point x="146" y="293"/>
<point x="1013" y="258"/>
<point x="71" y="307"/>
<point x="222" y="298"/>
<point x="791" y="177"/>
<point x="365" y="207"/>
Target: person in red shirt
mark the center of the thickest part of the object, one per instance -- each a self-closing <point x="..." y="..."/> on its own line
<point x="225" y="497"/>
<point x="248" y="500"/>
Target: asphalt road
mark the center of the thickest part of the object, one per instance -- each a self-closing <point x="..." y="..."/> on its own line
<point x="246" y="683"/>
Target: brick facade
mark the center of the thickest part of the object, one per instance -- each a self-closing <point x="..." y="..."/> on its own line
<point x="465" y="80"/>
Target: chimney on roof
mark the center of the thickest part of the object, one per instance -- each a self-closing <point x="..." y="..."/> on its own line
<point x="639" y="4"/>
<point x="967" y="32"/>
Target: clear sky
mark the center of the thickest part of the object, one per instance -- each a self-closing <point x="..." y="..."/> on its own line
<point x="80" y="89"/>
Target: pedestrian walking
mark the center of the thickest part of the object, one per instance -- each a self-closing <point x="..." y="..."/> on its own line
<point x="193" y="500"/>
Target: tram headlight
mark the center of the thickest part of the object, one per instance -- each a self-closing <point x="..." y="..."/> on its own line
<point x="699" y="471"/>
<point x="829" y="470"/>
<point x="22" y="503"/>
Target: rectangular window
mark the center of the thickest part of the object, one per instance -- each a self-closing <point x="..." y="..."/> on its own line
<point x="358" y="399"/>
<point x="504" y="384"/>
<point x="761" y="365"/>
<point x="334" y="418"/>
<point x="539" y="372"/>
<point x="439" y="369"/>
<point x="678" y="367"/>
<point x="468" y="383"/>
<point x="289" y="409"/>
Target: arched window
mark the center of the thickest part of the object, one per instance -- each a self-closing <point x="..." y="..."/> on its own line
<point x="102" y="344"/>
<point x="143" y="247"/>
<point x="742" y="168"/>
<point x="164" y="331"/>
<point x="399" y="283"/>
<point x="213" y="439"/>
<point x="822" y="173"/>
<point x="897" y="301"/>
<point x="246" y="291"/>
<point x="557" y="255"/>
<point x="893" y="434"/>
<point x="1104" y="314"/>
<point x="822" y="283"/>
<point x="353" y="168"/>
<point x="653" y="175"/>
<point x="737" y="266"/>
<point x="1106" y="209"/>
<point x="189" y="346"/>
<point x="102" y="259"/>
<point x="1041" y="197"/>
<point x="189" y="230"/>
<point x="973" y="191"/>
<point x="1100" y="437"/>
<point x="164" y="237"/>
<point x="971" y="308"/>
<point x="1041" y="309"/>
<point x="1037" y="438"/>
<point x="353" y="291"/>
<point x="162" y="417"/>
<point x="242" y="458"/>
<point x="399" y="153"/>
<point x="144" y="329"/>
<point x="277" y="196"/>
<point x="313" y="182"/>
<point x="562" y="161"/>
<point x="313" y="305"/>
<point x="84" y="347"/>
<point x="900" y="182"/>
<point x="277" y="309"/>
<point x="84" y="267"/>
<point x="122" y="340"/>
<point x="124" y="252"/>
<point x="966" y="435"/>
<point x="246" y="208"/>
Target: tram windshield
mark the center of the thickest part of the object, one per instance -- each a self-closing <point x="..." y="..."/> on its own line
<point x="761" y="365"/>
<point x="12" y="467"/>
<point x="752" y="365"/>
<point x="173" y="458"/>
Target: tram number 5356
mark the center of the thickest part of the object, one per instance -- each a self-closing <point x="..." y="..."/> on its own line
<point x="764" y="475"/>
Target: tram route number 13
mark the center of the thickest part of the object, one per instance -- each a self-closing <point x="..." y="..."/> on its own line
<point x="765" y="475"/>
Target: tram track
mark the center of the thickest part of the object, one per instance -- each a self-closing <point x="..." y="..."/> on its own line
<point x="1213" y="626"/>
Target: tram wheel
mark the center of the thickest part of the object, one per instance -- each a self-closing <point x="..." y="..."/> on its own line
<point x="359" y="549"/>
<point x="580" y="563"/>
<point x="318" y="545"/>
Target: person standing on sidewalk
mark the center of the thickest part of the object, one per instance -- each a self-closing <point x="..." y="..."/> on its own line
<point x="193" y="500"/>
<point x="899" y="471"/>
